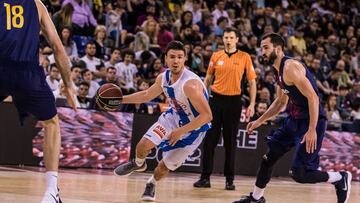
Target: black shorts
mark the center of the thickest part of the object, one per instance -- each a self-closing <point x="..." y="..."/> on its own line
<point x="290" y="134"/>
<point x="26" y="83"/>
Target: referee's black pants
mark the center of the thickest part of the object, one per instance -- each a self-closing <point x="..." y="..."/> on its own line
<point x="226" y="111"/>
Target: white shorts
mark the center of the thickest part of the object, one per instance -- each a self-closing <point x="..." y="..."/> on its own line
<point x="173" y="156"/>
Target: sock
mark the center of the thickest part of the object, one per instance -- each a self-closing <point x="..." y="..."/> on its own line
<point x="152" y="180"/>
<point x="139" y="161"/>
<point x="51" y="177"/>
<point x="334" y="177"/>
<point x="258" y="192"/>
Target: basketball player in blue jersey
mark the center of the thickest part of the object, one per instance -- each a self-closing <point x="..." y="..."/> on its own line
<point x="22" y="78"/>
<point x="178" y="131"/>
<point x="303" y="129"/>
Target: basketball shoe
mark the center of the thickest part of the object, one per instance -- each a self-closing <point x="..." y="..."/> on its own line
<point x="343" y="187"/>
<point x="249" y="199"/>
<point x="50" y="197"/>
<point x="149" y="193"/>
<point x="129" y="167"/>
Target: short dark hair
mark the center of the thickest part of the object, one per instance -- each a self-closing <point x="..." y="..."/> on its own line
<point x="110" y="68"/>
<point x="231" y="29"/>
<point x="175" y="45"/>
<point x="115" y="49"/>
<point x="84" y="83"/>
<point x="85" y="70"/>
<point x="90" y="43"/>
<point x="127" y="52"/>
<point x="275" y="39"/>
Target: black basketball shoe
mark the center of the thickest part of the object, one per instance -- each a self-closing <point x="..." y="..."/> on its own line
<point x="129" y="167"/>
<point x="149" y="193"/>
<point x="343" y="187"/>
<point x="249" y="199"/>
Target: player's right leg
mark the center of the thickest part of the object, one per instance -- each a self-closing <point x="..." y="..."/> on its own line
<point x="137" y="164"/>
<point x="152" y="138"/>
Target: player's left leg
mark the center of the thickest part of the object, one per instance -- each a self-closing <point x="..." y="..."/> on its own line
<point x="305" y="165"/>
<point x="161" y="171"/>
<point x="173" y="158"/>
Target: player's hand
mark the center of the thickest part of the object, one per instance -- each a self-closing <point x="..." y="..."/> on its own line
<point x="174" y="136"/>
<point x="252" y="125"/>
<point x="310" y="139"/>
<point x="70" y="97"/>
<point x="250" y="111"/>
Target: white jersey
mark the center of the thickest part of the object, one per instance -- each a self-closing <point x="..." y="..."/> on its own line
<point x="181" y="107"/>
<point x="180" y="113"/>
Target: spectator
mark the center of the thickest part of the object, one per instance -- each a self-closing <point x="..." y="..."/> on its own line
<point x="100" y="36"/>
<point x="196" y="11"/>
<point x="206" y="24"/>
<point x="151" y="29"/>
<point x="297" y="43"/>
<point x="75" y="75"/>
<point x="63" y="18"/>
<point x="83" y="19"/>
<point x="221" y="24"/>
<point x="197" y="61"/>
<point x="53" y="78"/>
<point x="320" y="77"/>
<point x="220" y="12"/>
<point x="126" y="71"/>
<point x="150" y="14"/>
<point x="69" y="44"/>
<point x="155" y="69"/>
<point x="332" y="113"/>
<point x="110" y="77"/>
<point x="164" y="35"/>
<point x="81" y="99"/>
<point x="260" y="109"/>
<point x="93" y="86"/>
<point x="114" y="58"/>
<point x="93" y="63"/>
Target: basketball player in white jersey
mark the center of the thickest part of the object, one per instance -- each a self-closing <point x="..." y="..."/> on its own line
<point x="178" y="131"/>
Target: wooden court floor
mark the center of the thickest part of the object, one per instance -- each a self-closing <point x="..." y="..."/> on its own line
<point x="26" y="184"/>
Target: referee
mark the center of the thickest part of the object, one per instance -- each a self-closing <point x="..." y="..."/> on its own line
<point x="227" y="67"/>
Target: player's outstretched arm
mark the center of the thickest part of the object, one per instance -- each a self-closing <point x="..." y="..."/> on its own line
<point x="274" y="109"/>
<point x="194" y="90"/>
<point x="62" y="60"/>
<point x="295" y="74"/>
<point x="146" y="95"/>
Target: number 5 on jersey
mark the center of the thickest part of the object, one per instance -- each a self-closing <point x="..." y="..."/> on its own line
<point x="14" y="16"/>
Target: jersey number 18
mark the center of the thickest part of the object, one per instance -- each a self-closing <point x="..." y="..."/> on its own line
<point x="14" y="16"/>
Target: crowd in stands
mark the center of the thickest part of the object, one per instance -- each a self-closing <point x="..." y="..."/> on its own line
<point x="122" y="41"/>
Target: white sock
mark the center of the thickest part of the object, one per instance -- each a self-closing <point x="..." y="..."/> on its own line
<point x="258" y="193"/>
<point x="139" y="161"/>
<point x="333" y="177"/>
<point x="152" y="180"/>
<point x="51" y="177"/>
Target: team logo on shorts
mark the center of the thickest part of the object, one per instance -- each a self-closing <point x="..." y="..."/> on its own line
<point x="160" y="131"/>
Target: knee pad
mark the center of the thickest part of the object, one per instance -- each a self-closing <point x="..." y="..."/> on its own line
<point x="270" y="158"/>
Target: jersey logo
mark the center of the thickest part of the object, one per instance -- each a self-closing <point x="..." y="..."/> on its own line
<point x="220" y="63"/>
<point x="160" y="131"/>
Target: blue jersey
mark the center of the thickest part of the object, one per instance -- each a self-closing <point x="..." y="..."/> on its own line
<point x="297" y="107"/>
<point x="19" y="31"/>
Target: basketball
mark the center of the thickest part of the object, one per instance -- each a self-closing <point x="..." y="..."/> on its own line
<point x="109" y="97"/>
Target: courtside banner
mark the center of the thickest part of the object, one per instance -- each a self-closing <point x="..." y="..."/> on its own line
<point x="95" y="139"/>
<point x="341" y="151"/>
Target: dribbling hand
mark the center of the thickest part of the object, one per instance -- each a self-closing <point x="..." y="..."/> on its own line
<point x="310" y="139"/>
<point x="70" y="97"/>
